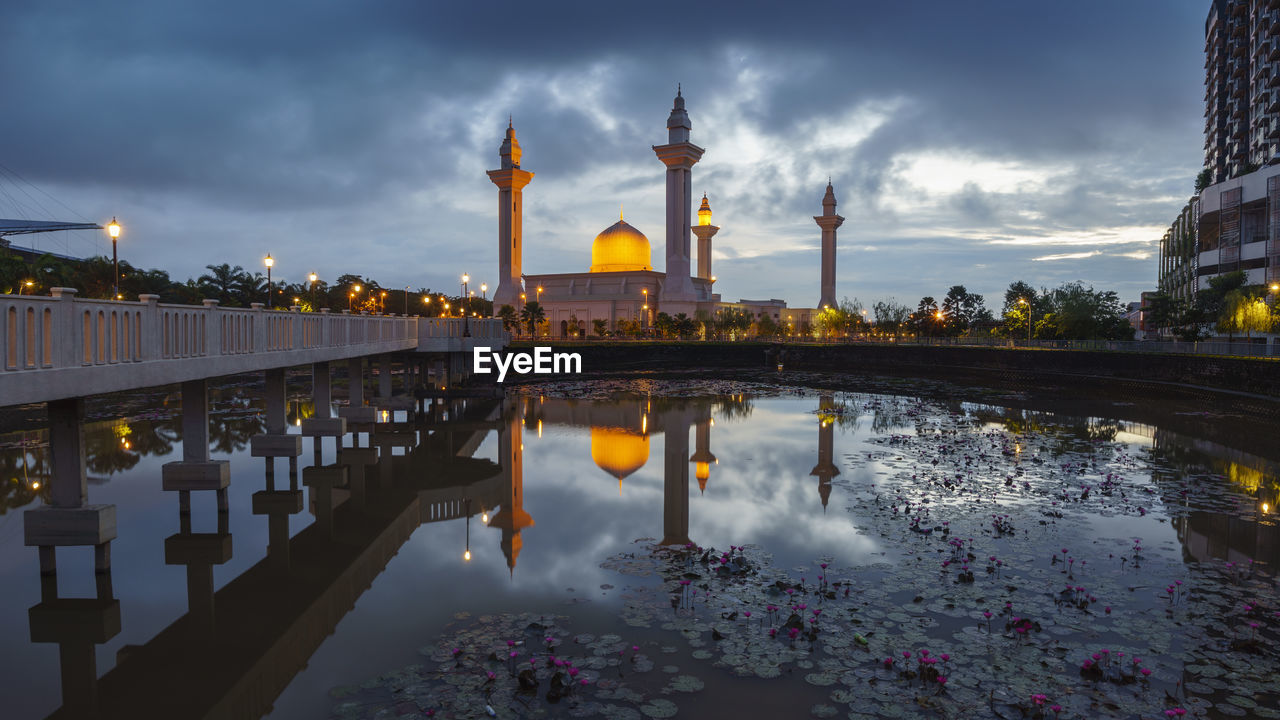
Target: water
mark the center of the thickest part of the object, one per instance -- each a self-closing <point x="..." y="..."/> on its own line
<point x="542" y="516"/>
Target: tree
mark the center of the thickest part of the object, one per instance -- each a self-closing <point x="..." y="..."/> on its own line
<point x="684" y="326"/>
<point x="854" y="315"/>
<point x="1078" y="312"/>
<point x="830" y="321"/>
<point x="891" y="316"/>
<point x="532" y="316"/>
<point x="961" y="309"/>
<point x="601" y="326"/>
<point x="925" y="320"/>
<point x="1245" y="312"/>
<point x="1203" y="180"/>
<point x="510" y="320"/>
<point x="223" y="282"/>
<point x="664" y="324"/>
<point x="767" y="327"/>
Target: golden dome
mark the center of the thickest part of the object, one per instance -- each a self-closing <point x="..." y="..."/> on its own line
<point x="620" y="248"/>
<point x="618" y="452"/>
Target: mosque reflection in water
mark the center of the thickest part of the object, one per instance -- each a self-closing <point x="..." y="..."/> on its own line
<point x="238" y="647"/>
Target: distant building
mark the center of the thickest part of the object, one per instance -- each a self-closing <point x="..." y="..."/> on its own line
<point x="1242" y="86"/>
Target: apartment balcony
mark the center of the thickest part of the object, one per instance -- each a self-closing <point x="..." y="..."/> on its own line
<point x="1273" y="49"/>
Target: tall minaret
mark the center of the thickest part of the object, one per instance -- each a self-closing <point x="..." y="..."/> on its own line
<point x="828" y="221"/>
<point x="705" y="231"/>
<point x="679" y="155"/>
<point x="510" y="180"/>
<point x="512" y="518"/>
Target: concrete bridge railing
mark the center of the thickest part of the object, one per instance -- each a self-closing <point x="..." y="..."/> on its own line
<point x="62" y="346"/>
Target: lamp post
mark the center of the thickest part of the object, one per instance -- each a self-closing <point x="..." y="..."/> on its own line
<point x="1023" y="301"/>
<point x="25" y="285"/>
<point x="351" y="296"/>
<point x="313" y="277"/>
<point x="484" y="291"/>
<point x="113" y="229"/>
<point x="539" y="294"/>
<point x="269" y="262"/>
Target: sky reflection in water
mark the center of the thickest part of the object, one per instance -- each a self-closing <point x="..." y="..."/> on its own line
<point x="595" y="477"/>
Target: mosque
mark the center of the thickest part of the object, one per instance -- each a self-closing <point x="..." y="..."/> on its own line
<point x="620" y="284"/>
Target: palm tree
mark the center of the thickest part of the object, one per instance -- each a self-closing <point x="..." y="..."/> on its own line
<point x="532" y="315"/>
<point x="222" y="281"/>
<point x="510" y="321"/>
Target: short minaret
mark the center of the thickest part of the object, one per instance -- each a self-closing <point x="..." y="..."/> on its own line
<point x="828" y="221"/>
<point x="510" y="180"/>
<point x="705" y="231"/>
<point x="679" y="155"/>
<point x="702" y="457"/>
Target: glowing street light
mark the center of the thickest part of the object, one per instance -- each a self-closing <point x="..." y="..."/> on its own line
<point x="269" y="261"/>
<point x="26" y="285"/>
<point x="113" y="229"/>
<point x="484" y="291"/>
<point x="1023" y="301"/>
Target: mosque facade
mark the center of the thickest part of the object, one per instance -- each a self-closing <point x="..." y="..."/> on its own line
<point x="620" y="286"/>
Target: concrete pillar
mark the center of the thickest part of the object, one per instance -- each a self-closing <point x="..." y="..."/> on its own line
<point x="384" y="377"/>
<point x="355" y="382"/>
<point x="274" y="392"/>
<point x="320" y="389"/>
<point x="195" y="421"/>
<point x="66" y="446"/>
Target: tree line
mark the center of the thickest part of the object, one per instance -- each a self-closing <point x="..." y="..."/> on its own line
<point x="231" y="286"/>
<point x="1229" y="306"/>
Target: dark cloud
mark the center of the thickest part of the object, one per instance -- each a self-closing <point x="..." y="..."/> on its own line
<point x="343" y="133"/>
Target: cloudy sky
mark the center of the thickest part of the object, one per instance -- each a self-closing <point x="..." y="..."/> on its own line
<point x="969" y="142"/>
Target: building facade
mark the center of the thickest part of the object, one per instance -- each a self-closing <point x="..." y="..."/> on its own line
<point x="1179" y="256"/>
<point x="1242" y="86"/>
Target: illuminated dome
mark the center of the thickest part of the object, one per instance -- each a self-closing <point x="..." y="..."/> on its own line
<point x="620" y="248"/>
<point x="618" y="452"/>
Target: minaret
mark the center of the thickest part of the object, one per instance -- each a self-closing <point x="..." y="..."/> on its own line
<point x="512" y="518"/>
<point x="679" y="155"/>
<point x="826" y="467"/>
<point x="828" y="221"/>
<point x="702" y="457"/>
<point x="705" y="231"/>
<point x="510" y="180"/>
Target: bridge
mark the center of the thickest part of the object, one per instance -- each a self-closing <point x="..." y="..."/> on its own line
<point x="61" y="349"/>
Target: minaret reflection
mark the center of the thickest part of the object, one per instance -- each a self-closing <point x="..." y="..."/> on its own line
<point x="826" y="468"/>
<point x="512" y="518"/>
<point x="702" y="457"/>
<point x="675" y="482"/>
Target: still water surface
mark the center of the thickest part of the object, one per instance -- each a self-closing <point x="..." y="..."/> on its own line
<point x="555" y="502"/>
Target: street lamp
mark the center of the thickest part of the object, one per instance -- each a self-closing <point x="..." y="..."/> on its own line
<point x="27" y="284"/>
<point x="355" y="290"/>
<point x="313" y="277"/>
<point x="269" y="262"/>
<point x="1023" y="301"/>
<point x="484" y="291"/>
<point x="113" y="229"/>
<point x="539" y="295"/>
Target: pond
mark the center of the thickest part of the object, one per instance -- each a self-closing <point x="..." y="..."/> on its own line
<point x="645" y="547"/>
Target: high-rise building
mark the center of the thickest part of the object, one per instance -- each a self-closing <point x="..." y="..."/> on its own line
<point x="1242" y="86"/>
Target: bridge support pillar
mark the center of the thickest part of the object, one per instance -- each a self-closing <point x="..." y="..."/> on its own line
<point x="278" y="505"/>
<point x="384" y="378"/>
<point x="357" y="461"/>
<point x="276" y="442"/>
<point x="76" y="625"/>
<point x="68" y="520"/>
<point x="326" y="484"/>
<point x="356" y="411"/>
<point x="323" y="425"/>
<point x="196" y="471"/>
<point x="199" y="552"/>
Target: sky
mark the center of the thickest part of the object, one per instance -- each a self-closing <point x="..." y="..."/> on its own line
<point x="973" y="143"/>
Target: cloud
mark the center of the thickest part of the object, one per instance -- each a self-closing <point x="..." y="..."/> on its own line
<point x="350" y="139"/>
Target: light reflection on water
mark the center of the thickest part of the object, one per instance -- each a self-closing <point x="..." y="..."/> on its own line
<point x="564" y="483"/>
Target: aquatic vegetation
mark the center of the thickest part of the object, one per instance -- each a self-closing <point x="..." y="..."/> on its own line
<point x="1014" y="582"/>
